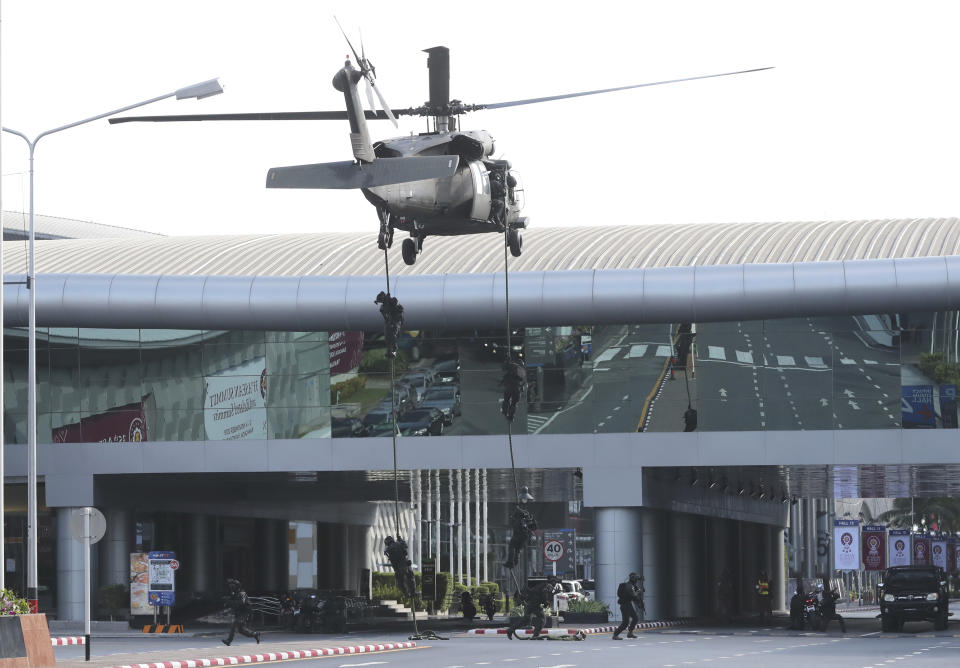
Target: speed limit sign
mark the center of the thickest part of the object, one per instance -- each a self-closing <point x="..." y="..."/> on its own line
<point x="553" y="550"/>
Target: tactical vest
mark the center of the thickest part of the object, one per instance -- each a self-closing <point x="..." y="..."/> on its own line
<point x="763" y="587"/>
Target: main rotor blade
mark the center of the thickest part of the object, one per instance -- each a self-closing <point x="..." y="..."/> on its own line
<point x="267" y="116"/>
<point x="535" y="100"/>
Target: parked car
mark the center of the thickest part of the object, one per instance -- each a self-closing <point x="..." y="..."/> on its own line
<point x="444" y="397"/>
<point x="378" y="423"/>
<point x="574" y="591"/>
<point x="913" y="593"/>
<point x="345" y="427"/>
<point x="447" y="371"/>
<point x="419" y="382"/>
<point x="421" y="422"/>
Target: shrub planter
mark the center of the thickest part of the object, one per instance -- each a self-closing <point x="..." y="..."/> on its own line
<point x="25" y="642"/>
<point x="586" y="617"/>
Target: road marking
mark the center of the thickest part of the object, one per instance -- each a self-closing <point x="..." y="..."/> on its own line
<point x="785" y="360"/>
<point x="745" y="357"/>
<point x="664" y="351"/>
<point x="637" y="351"/>
<point x="608" y="354"/>
<point x="718" y="353"/>
<point x="815" y="362"/>
<point x="847" y="360"/>
<point x="869" y="361"/>
<point x="368" y="663"/>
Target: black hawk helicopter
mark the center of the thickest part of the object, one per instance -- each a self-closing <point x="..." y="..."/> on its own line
<point x="441" y="182"/>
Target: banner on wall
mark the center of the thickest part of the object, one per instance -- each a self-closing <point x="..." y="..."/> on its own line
<point x="346" y="351"/>
<point x="916" y="406"/>
<point x="921" y="550"/>
<point x="938" y="553"/>
<point x="139" y="576"/>
<point x="123" y="424"/>
<point x="874" y="548"/>
<point x="235" y="402"/>
<point x="846" y="545"/>
<point x="899" y="547"/>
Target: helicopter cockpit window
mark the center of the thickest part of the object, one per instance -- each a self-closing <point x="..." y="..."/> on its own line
<point x="515" y="189"/>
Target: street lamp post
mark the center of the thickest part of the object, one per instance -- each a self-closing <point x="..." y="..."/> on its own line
<point x="197" y="91"/>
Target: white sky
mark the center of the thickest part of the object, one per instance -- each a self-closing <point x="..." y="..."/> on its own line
<point x="859" y="120"/>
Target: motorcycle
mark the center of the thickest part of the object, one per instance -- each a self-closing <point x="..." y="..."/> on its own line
<point x="813" y="612"/>
<point x="289" y="611"/>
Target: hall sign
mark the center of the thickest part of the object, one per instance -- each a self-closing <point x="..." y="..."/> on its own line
<point x="846" y="545"/>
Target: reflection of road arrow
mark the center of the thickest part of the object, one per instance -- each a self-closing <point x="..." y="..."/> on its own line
<point x="849" y="394"/>
<point x="823" y="402"/>
<point x="853" y="404"/>
<point x="723" y="393"/>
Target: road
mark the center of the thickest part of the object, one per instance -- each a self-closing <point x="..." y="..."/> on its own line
<point x="863" y="646"/>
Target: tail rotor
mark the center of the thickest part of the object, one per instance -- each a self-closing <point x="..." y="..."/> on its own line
<point x="369" y="72"/>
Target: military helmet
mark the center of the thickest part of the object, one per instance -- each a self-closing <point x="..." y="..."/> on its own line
<point x="634" y="577"/>
<point x="388" y="540"/>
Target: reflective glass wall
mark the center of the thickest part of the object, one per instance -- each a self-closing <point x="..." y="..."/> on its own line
<point x="866" y="372"/>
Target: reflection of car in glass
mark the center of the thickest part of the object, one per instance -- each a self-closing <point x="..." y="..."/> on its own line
<point x="345" y="427"/>
<point x="573" y="590"/>
<point x="447" y="371"/>
<point x="444" y="397"/>
<point x="377" y="423"/>
<point x="421" y="422"/>
<point x="418" y="381"/>
<point x="913" y="593"/>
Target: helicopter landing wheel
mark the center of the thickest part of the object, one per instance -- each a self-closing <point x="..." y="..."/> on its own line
<point x="409" y="251"/>
<point x="515" y="241"/>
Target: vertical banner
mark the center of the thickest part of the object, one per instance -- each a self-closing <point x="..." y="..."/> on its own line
<point x="953" y="557"/>
<point x="428" y="582"/>
<point x="899" y="547"/>
<point x="938" y="553"/>
<point x="948" y="406"/>
<point x="874" y="548"/>
<point x="139" y="566"/>
<point x="846" y="545"/>
<point x="921" y="550"/>
<point x="916" y="407"/>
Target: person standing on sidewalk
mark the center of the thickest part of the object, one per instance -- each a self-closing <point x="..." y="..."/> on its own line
<point x="626" y="599"/>
<point x="763" y="594"/>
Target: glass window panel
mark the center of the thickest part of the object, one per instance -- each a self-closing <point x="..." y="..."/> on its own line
<point x="175" y="424"/>
<point x="109" y="338"/>
<point x="233" y="359"/>
<point x="299" y="422"/>
<point x="109" y="378"/>
<point x="165" y="364"/>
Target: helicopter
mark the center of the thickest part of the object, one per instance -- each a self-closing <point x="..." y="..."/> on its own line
<point x="442" y="182"/>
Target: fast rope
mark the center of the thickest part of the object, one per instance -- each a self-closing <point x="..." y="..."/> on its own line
<point x="417" y="634"/>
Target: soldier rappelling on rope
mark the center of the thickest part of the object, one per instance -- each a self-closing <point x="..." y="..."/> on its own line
<point x="514" y="383"/>
<point x="396" y="552"/>
<point x="392" y="313"/>
<point x="523" y="525"/>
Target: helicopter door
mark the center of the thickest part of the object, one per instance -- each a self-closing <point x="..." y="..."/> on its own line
<point x="481" y="191"/>
<point x="515" y="194"/>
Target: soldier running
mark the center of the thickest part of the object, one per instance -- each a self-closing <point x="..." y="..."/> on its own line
<point x="535" y="599"/>
<point x="241" y="613"/>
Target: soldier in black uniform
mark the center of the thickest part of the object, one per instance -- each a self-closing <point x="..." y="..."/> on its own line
<point x="534" y="600"/>
<point x="241" y="613"/>
<point x="392" y="313"/>
<point x="829" y="607"/>
<point x="523" y="525"/>
<point x="796" y="607"/>
<point x="396" y="552"/>
<point x="639" y="605"/>
<point x="467" y="605"/>
<point x="514" y="381"/>
<point x="627" y="598"/>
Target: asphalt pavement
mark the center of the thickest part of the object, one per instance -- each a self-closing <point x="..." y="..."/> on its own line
<point x="743" y="644"/>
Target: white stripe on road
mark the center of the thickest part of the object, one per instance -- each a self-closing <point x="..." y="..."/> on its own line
<point x="607" y="354"/>
<point x="638" y="350"/>
<point x="745" y="357"/>
<point x="785" y="360"/>
<point x="846" y="360"/>
<point x="664" y="351"/>
<point x="816" y="362"/>
<point x="717" y="352"/>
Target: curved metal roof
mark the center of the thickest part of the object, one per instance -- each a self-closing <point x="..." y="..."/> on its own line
<point x="16" y="226"/>
<point x="545" y="249"/>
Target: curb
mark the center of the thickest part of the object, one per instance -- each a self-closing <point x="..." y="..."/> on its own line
<point x="274" y="656"/>
<point x="68" y="640"/>
<point x="574" y="630"/>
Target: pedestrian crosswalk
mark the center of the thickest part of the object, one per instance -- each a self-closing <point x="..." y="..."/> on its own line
<point x="769" y="359"/>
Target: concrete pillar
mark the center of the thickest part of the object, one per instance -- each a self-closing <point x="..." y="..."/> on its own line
<point x="779" y="570"/>
<point x="809" y="537"/>
<point x="116" y="545"/>
<point x="200" y="562"/>
<point x="716" y="551"/>
<point x="619" y="545"/>
<point x="69" y="570"/>
<point x="271" y="543"/>
<point x="685" y="567"/>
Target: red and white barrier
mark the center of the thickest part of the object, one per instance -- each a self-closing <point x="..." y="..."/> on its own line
<point x="275" y="656"/>
<point x="571" y="631"/>
<point x="68" y="640"/>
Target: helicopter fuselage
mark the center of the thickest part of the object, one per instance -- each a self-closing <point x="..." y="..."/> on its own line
<point x="458" y="204"/>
